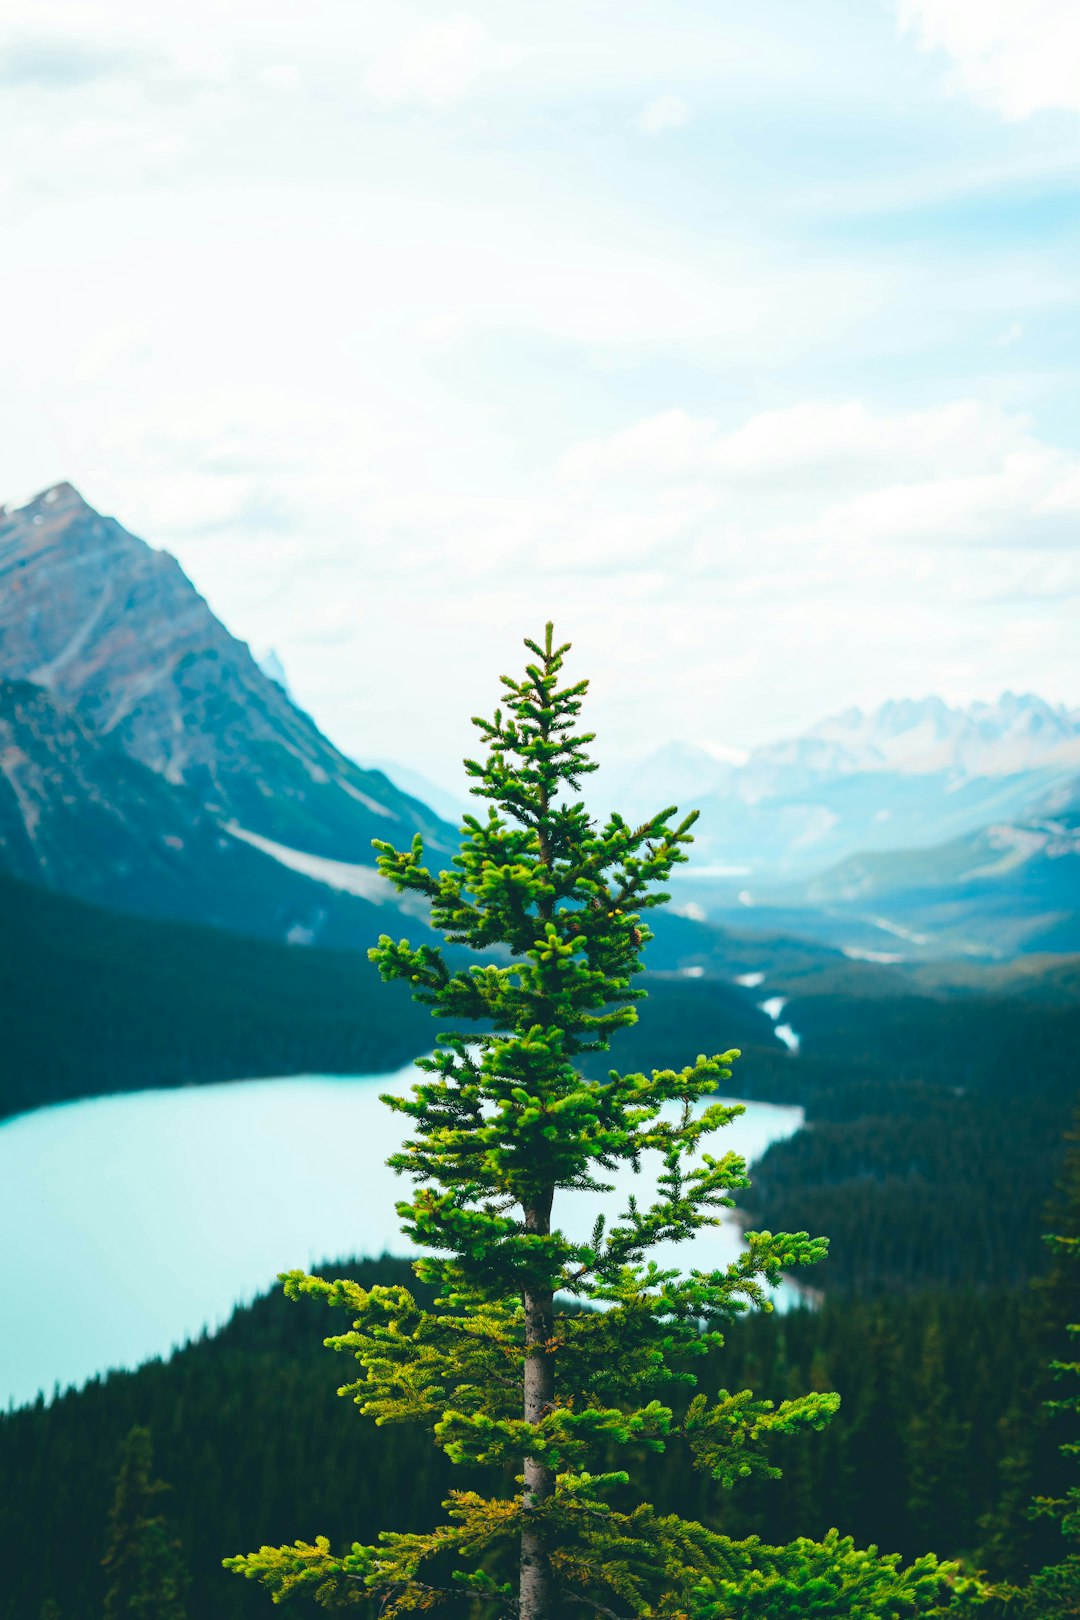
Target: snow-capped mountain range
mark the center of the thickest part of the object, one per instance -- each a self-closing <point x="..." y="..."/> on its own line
<point x="908" y="774"/>
<point x="1018" y="732"/>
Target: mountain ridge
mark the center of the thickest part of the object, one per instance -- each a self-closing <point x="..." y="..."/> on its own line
<point x="909" y="774"/>
<point x="79" y="816"/>
<point x="118" y="633"/>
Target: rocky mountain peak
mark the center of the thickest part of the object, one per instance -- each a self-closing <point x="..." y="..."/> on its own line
<point x="59" y="497"/>
<point x="118" y="633"/>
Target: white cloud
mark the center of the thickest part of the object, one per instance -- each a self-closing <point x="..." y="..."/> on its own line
<point x="664" y="112"/>
<point x="813" y="443"/>
<point x="330" y="352"/>
<point x="438" y="65"/>
<point x="1017" y="57"/>
<point x="711" y="574"/>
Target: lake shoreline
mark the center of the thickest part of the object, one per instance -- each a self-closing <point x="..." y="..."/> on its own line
<point x="152" y="1214"/>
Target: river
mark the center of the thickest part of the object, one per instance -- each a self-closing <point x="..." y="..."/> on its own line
<point x="130" y="1223"/>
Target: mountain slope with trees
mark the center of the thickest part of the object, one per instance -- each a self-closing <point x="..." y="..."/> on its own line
<point x="81" y="817"/>
<point x="93" y="1002"/>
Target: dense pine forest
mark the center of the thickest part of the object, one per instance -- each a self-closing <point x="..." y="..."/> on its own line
<point x="937" y="1120"/>
<point x="91" y="1001"/>
<point x="915" y="1154"/>
<point x="936" y="1109"/>
<point x="248" y="1430"/>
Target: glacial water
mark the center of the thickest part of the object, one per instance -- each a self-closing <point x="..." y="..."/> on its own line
<point x="130" y="1223"/>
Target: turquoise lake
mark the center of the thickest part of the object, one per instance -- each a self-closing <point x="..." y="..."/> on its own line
<point x="132" y="1223"/>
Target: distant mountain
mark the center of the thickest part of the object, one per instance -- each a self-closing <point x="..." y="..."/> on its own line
<point x="270" y="664"/>
<point x="1016" y="734"/>
<point x="450" y="806"/>
<point x="907" y="775"/>
<point x="116" y="631"/>
<point x="1014" y="885"/>
<point x="79" y="816"/>
<point x="685" y="772"/>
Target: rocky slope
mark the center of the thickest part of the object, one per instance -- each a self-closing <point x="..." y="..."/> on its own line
<point x="79" y="816"/>
<point x="116" y="631"/>
<point x="1014" y="885"/>
<point x="909" y="774"/>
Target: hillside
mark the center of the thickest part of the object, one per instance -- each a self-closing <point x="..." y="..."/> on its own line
<point x="95" y="1002"/>
<point x="909" y="774"/>
<point x="1009" y="887"/>
<point x="79" y="816"/>
<point x="117" y="632"/>
<point x="92" y="1001"/>
<point x="258" y="1448"/>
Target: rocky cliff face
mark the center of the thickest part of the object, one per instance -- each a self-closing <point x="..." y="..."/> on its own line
<point x="117" y="632"/>
<point x="79" y="816"/>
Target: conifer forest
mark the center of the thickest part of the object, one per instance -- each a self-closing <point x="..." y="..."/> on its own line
<point x="540" y="810"/>
<point x="538" y="1422"/>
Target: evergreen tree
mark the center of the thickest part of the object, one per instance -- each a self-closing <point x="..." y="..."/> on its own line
<point x="143" y="1567"/>
<point x="49" y="1610"/>
<point x="937" y="1441"/>
<point x="1055" y="1590"/>
<point x="1038" y="1429"/>
<point x="510" y="1372"/>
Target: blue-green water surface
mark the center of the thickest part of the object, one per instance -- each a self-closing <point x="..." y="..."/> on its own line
<point x="130" y="1223"/>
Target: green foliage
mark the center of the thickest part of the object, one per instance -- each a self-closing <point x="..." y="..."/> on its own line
<point x="249" y="1432"/>
<point x="91" y="1001"/>
<point x="511" y="1372"/>
<point x="1054" y="1590"/>
<point x="145" y="1573"/>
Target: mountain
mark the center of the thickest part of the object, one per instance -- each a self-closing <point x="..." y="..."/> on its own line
<point x="909" y="774"/>
<point x="118" y="634"/>
<point x="451" y="806"/>
<point x="270" y="664"/>
<point x="685" y="772"/>
<point x="1014" y="885"/>
<point x="79" y="816"/>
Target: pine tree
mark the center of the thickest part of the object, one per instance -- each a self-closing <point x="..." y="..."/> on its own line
<point x="937" y="1441"/>
<point x="143" y="1567"/>
<point x="548" y="1350"/>
<point x="1055" y="1590"/>
<point x="1039" y="1428"/>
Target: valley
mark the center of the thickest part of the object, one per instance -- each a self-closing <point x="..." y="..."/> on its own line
<point x="882" y="915"/>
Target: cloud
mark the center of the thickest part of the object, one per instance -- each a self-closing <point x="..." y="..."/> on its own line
<point x="744" y="580"/>
<point x="1016" y="57"/>
<point x="438" y="65"/>
<point x="53" y="62"/>
<point x="662" y="113"/>
<point x="811" y="443"/>
<point x="818" y="495"/>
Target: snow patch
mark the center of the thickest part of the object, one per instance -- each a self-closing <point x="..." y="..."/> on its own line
<point x="366" y="800"/>
<point x="691" y="910"/>
<point x="363" y="881"/>
<point x="772" y="1007"/>
<point x="900" y="932"/>
<point x="785" y="1033"/>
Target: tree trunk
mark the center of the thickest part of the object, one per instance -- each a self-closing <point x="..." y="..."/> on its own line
<point x="536" y="1595"/>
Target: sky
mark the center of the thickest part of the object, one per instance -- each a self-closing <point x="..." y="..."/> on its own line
<point x="742" y="341"/>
